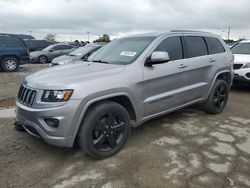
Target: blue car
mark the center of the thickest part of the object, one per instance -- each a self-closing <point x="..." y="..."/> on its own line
<point x="13" y="52"/>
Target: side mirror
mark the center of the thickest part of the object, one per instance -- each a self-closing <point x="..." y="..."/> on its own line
<point x="51" y="50"/>
<point x="157" y="57"/>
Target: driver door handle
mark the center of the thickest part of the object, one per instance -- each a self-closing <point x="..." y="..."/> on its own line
<point x="181" y="66"/>
<point x="212" y="60"/>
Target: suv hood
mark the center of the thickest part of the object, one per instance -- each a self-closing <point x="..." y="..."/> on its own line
<point x="61" y="77"/>
<point x="241" y="58"/>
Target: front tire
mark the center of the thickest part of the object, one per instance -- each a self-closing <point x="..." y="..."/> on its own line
<point x="10" y="64"/>
<point x="218" y="98"/>
<point x="104" y="130"/>
<point x="43" y="59"/>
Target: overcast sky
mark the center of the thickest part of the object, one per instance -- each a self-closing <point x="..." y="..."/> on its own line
<point x="70" y="19"/>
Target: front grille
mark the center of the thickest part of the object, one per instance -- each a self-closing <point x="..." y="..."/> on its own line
<point x="237" y="66"/>
<point x="26" y="96"/>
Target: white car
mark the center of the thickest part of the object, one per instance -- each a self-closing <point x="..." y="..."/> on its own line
<point x="241" y="53"/>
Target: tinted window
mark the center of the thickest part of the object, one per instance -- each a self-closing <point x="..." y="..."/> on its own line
<point x="214" y="46"/>
<point x="11" y="41"/>
<point x="58" y="47"/>
<point x="173" y="46"/>
<point x="66" y="47"/>
<point x="195" y="46"/>
<point x="241" y="48"/>
<point x="62" y="47"/>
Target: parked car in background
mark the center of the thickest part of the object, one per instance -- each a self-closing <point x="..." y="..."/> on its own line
<point x="48" y="54"/>
<point x="13" y="52"/>
<point x="81" y="53"/>
<point x="37" y="45"/>
<point x="241" y="53"/>
<point x="127" y="82"/>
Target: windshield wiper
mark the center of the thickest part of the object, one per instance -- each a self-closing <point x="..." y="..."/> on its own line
<point x="100" y="61"/>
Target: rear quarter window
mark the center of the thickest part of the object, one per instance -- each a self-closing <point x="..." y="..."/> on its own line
<point x="195" y="46"/>
<point x="10" y="41"/>
<point x="214" y="46"/>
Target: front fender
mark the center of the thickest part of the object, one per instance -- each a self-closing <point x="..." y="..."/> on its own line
<point x="94" y="98"/>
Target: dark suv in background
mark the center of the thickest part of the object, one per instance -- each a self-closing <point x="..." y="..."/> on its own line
<point x="13" y="52"/>
<point x="35" y="45"/>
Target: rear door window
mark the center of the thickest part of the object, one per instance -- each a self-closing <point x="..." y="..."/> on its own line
<point x="214" y="46"/>
<point x="62" y="47"/>
<point x="11" y="41"/>
<point x="173" y="46"/>
<point x="195" y="46"/>
<point x="58" y="47"/>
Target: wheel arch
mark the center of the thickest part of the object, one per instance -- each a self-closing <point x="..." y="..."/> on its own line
<point x="226" y="76"/>
<point x="222" y="75"/>
<point x="9" y="55"/>
<point x="121" y="98"/>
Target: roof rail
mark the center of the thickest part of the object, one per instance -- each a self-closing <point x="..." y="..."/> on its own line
<point x="188" y="31"/>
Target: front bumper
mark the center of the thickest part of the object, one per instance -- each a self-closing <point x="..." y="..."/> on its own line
<point x="242" y="75"/>
<point x="241" y="78"/>
<point x="34" y="123"/>
<point x="33" y="59"/>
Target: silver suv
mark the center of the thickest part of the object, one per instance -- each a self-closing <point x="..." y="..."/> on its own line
<point x="127" y="82"/>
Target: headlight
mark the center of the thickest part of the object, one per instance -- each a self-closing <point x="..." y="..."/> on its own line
<point x="65" y="62"/>
<point x="56" y="95"/>
<point x="246" y="66"/>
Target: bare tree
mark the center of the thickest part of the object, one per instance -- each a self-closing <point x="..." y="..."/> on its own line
<point x="50" y="37"/>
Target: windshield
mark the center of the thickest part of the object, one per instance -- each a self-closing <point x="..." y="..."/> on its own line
<point x="82" y="51"/>
<point x="241" y="48"/>
<point x="48" y="48"/>
<point x="122" y="51"/>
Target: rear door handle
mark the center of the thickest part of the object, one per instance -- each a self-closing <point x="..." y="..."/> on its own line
<point x="212" y="60"/>
<point x="181" y="66"/>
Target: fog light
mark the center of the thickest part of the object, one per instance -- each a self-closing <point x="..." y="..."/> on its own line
<point x="52" y="122"/>
<point x="248" y="75"/>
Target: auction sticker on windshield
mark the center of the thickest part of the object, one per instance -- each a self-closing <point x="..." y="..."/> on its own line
<point x="128" y="53"/>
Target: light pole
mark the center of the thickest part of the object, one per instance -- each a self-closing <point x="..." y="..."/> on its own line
<point x="88" y="35"/>
<point x="222" y="34"/>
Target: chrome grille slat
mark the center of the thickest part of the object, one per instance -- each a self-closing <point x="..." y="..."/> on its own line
<point x="22" y="93"/>
<point x="26" y="96"/>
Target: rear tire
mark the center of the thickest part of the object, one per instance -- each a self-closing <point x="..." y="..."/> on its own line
<point x="104" y="130"/>
<point x="218" y="98"/>
<point x="10" y="64"/>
